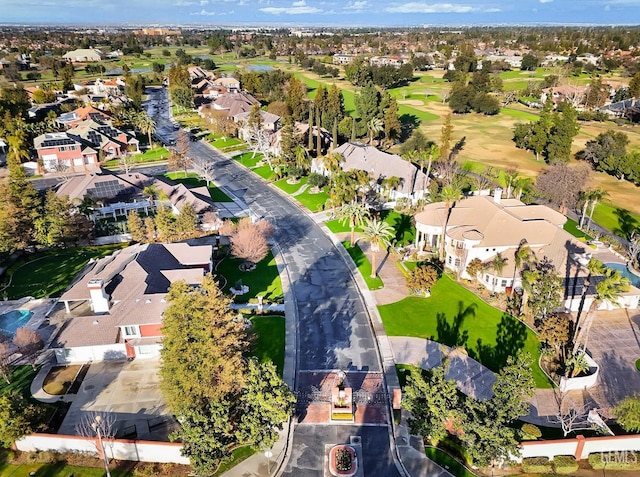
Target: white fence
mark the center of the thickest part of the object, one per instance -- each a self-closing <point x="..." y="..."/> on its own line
<point x="120" y="449"/>
<point x="581" y="446"/>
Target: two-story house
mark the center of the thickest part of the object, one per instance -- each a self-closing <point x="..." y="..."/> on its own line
<point x="126" y="294"/>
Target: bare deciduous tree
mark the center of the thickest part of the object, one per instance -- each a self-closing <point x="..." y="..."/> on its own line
<point x="249" y="240"/>
<point x="29" y="342"/>
<point x="5" y="360"/>
<point x="569" y="414"/>
<point x="228" y="228"/>
<point x="204" y="168"/>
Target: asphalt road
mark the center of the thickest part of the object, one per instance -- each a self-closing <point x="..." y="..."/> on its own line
<point x="333" y="326"/>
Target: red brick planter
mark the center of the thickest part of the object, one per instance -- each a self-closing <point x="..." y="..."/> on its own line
<point x="333" y="465"/>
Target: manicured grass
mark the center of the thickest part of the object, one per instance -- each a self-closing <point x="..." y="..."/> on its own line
<point x="248" y="160"/>
<point x="237" y="456"/>
<point x="21" y="377"/>
<point x="615" y="219"/>
<point x="290" y="188"/>
<point x="405" y="110"/>
<point x="264" y="280"/>
<point x="193" y="180"/>
<point x="265" y="172"/>
<point x="49" y="273"/>
<point x="514" y="113"/>
<point x="269" y="339"/>
<point x="571" y="226"/>
<point x="454" y="316"/>
<point x="223" y="143"/>
<point x="150" y="155"/>
<point x="364" y="265"/>
<point x="313" y="202"/>
<point x="447" y="462"/>
<point x="57" y="470"/>
<point x="401" y="223"/>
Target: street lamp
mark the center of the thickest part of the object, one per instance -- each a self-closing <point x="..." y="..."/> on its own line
<point x="97" y="425"/>
<point x="268" y="454"/>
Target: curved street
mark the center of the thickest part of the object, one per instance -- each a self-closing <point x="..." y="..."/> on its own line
<point x="332" y="330"/>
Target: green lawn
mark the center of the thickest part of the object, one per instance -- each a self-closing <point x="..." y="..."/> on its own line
<point x="57" y="470"/>
<point x="21" y="377"/>
<point x="514" y="113"/>
<point x="619" y="221"/>
<point x="401" y="223"/>
<point x="223" y="143"/>
<point x="313" y="202"/>
<point x="265" y="172"/>
<point x="193" y="180"/>
<point x="150" y="155"/>
<point x="264" y="280"/>
<point x="364" y="265"/>
<point x="454" y="316"/>
<point x="49" y="273"/>
<point x="290" y="188"/>
<point x="248" y="160"/>
<point x="446" y="461"/>
<point x="405" y="110"/>
<point x="571" y="226"/>
<point x="269" y="339"/>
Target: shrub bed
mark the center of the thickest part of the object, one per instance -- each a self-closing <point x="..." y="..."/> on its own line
<point x="537" y="465"/>
<point x="565" y="464"/>
<point x="615" y="461"/>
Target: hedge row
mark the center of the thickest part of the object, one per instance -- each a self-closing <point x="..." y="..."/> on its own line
<point x="562" y="464"/>
<point x="537" y="465"/>
<point x="615" y="460"/>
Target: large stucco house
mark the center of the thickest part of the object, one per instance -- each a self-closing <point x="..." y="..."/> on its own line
<point x="126" y="296"/>
<point x="380" y="166"/>
<point x="482" y="227"/>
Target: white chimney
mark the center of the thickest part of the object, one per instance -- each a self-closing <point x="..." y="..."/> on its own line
<point x="497" y="195"/>
<point x="99" y="299"/>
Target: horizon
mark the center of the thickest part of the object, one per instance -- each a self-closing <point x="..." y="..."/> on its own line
<point x="319" y="13"/>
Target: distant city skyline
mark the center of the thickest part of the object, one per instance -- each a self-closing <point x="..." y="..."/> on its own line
<point x="320" y="12"/>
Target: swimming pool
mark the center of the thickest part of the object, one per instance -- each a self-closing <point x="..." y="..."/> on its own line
<point x="12" y="320"/>
<point x="635" y="280"/>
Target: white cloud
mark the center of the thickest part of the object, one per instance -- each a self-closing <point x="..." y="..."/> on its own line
<point x="355" y="6"/>
<point x="422" y="7"/>
<point x="204" y="12"/>
<point x="296" y="8"/>
<point x="419" y="7"/>
<point x="546" y="1"/>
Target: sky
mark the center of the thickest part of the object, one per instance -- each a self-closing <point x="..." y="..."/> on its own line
<point x="321" y="12"/>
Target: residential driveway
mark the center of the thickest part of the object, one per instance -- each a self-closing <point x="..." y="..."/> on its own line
<point x="129" y="390"/>
<point x="614" y="343"/>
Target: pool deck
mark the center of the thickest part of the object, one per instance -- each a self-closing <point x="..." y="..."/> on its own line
<point x="39" y="307"/>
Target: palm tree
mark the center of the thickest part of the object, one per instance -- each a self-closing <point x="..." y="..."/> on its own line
<point x="498" y="265"/>
<point x="585" y="198"/>
<point x="449" y="195"/>
<point x="521" y="256"/>
<point x="360" y="179"/>
<point x="301" y="158"/>
<point x="146" y="125"/>
<point x="596" y="195"/>
<point x="391" y="183"/>
<point x="331" y="162"/>
<point x="355" y="214"/>
<point x="151" y="192"/>
<point x="375" y="126"/>
<point x="511" y="177"/>
<point x="379" y="234"/>
<point x="610" y="289"/>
